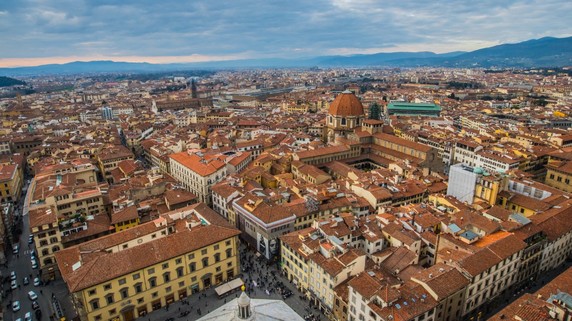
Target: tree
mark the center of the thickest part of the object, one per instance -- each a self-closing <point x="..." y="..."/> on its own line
<point x="374" y="111"/>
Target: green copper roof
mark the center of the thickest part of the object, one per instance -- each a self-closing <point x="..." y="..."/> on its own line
<point x="412" y="106"/>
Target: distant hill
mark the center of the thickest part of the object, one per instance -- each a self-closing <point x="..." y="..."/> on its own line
<point x="544" y="52"/>
<point x="7" y="82"/>
<point x="379" y="59"/>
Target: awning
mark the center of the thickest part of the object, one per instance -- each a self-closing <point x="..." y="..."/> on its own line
<point x="229" y="286"/>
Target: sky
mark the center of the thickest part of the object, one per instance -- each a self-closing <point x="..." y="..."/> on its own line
<point x="35" y="32"/>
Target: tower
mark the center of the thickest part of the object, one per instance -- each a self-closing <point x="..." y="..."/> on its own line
<point x="193" y="88"/>
<point x="345" y="114"/>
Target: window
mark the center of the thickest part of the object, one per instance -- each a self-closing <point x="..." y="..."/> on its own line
<point x="112" y="312"/>
<point x="166" y="277"/>
<point x="153" y="282"/>
<point x="165" y="266"/>
<point x="124" y="293"/>
<point x="109" y="298"/>
<point x="204" y="251"/>
<point x="107" y="286"/>
<point x="227" y="243"/>
<point x="179" y="272"/>
<point x="217" y="257"/>
<point x="193" y="267"/>
<point x="216" y="247"/>
<point x="205" y="262"/>
<point x="91" y="292"/>
<point x="151" y="271"/>
<point x="94" y="304"/>
<point x="178" y="261"/>
<point x="228" y="253"/>
<point x="191" y="256"/>
<point x="136" y="276"/>
<point x="121" y="281"/>
<point x="138" y="287"/>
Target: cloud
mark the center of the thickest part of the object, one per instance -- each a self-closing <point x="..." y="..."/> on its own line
<point x="250" y="28"/>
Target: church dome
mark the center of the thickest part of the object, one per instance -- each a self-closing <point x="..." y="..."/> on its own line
<point x="346" y="104"/>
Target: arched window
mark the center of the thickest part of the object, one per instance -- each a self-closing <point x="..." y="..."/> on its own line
<point x="343" y="121"/>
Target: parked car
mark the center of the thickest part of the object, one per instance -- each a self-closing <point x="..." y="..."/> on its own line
<point x="16" y="249"/>
<point x="13" y="275"/>
<point x="30" y="239"/>
<point x="13" y="285"/>
<point x="16" y="306"/>
<point x="26" y="280"/>
<point x="35" y="305"/>
<point x="28" y="316"/>
<point x="38" y="314"/>
<point x="34" y="264"/>
<point x="32" y="295"/>
<point x="37" y="282"/>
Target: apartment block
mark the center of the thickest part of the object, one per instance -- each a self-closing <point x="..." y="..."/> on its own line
<point x="193" y="249"/>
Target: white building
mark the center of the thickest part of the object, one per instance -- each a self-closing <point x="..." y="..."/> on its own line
<point x="197" y="173"/>
<point x="245" y="308"/>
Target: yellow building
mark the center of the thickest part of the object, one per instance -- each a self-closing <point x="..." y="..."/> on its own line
<point x="126" y="275"/>
<point x="10" y="183"/>
<point x="559" y="175"/>
<point x="487" y="189"/>
<point x="47" y="238"/>
<point x="125" y="218"/>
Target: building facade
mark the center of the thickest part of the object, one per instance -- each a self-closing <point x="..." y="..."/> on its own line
<point x="193" y="250"/>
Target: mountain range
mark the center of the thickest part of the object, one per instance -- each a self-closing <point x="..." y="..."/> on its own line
<point x="543" y="52"/>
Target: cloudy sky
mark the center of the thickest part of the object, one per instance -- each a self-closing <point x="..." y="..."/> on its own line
<point x="34" y="32"/>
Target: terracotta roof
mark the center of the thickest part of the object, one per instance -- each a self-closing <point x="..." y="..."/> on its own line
<point x="442" y="279"/>
<point x="197" y="164"/>
<point x="402" y="142"/>
<point x="179" y="196"/>
<point x="42" y="216"/>
<point x="346" y="104"/>
<point x="528" y="307"/>
<point x="7" y="172"/>
<point x="125" y="214"/>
